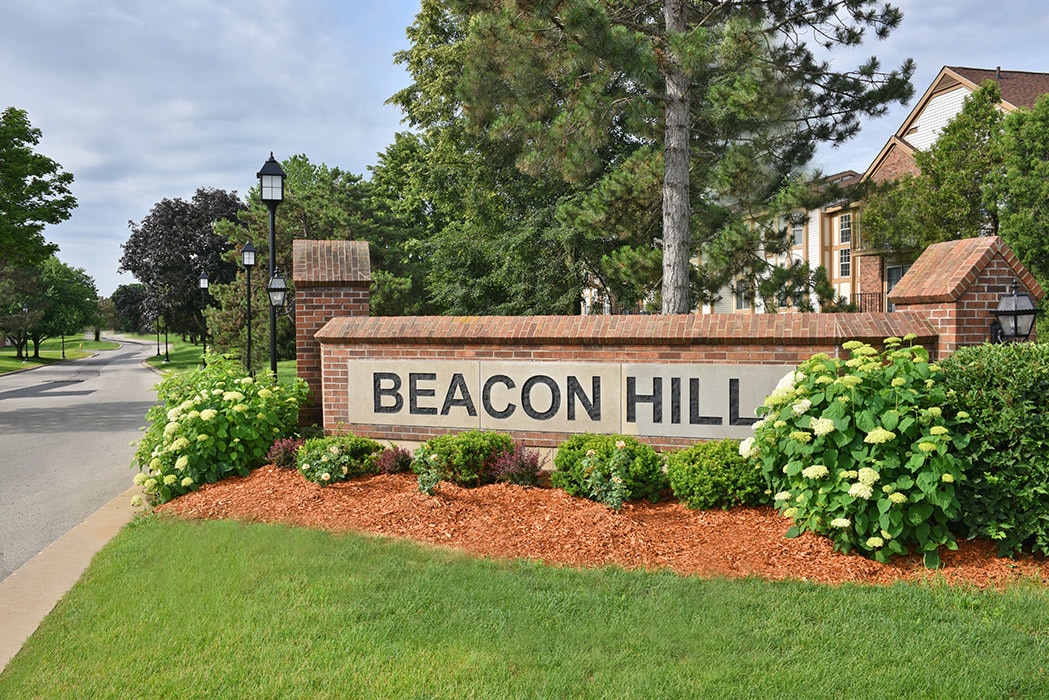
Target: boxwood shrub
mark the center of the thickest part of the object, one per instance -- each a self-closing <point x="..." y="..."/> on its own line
<point x="466" y="459"/>
<point x="714" y="475"/>
<point x="642" y="477"/>
<point x="1005" y="389"/>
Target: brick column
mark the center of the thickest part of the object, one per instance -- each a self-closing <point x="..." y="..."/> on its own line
<point x="332" y="278"/>
<point x="957" y="284"/>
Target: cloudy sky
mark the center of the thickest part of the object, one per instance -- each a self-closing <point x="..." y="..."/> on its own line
<point x="147" y="100"/>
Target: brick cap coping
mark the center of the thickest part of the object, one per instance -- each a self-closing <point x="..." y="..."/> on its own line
<point x="683" y="329"/>
<point x="945" y="271"/>
<point x="330" y="263"/>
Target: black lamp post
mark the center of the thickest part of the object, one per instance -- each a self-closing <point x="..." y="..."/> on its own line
<point x="271" y="192"/>
<point x="25" y="334"/>
<point x="1014" y="317"/>
<point x="203" y="282"/>
<point x="247" y="259"/>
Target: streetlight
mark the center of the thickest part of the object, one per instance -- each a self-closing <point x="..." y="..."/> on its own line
<point x="247" y="259"/>
<point x="271" y="192"/>
<point x="203" y="282"/>
<point x="1014" y="317"/>
<point x="25" y="351"/>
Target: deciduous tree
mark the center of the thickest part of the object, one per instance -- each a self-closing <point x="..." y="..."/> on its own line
<point x="34" y="192"/>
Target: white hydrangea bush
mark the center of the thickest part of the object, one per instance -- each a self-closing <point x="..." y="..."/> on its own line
<point x="862" y="451"/>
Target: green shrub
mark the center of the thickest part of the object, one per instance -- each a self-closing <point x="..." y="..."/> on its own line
<point x="211" y="423"/>
<point x="864" y="452"/>
<point x="1005" y="389"/>
<point x="520" y="466"/>
<point x="714" y="475"/>
<point x="284" y="453"/>
<point x="588" y="475"/>
<point x="464" y="458"/>
<point x="328" y="460"/>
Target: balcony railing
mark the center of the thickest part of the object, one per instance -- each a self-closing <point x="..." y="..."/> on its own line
<point x="869" y="302"/>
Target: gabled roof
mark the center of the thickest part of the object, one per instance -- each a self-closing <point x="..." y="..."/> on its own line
<point x="1018" y="88"/>
<point x="945" y="271"/>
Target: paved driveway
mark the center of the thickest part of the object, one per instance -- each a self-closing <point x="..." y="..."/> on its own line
<point x="65" y="444"/>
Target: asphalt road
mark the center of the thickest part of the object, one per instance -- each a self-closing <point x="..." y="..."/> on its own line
<point x="65" y="444"/>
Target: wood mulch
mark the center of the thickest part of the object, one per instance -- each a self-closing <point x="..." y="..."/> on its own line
<point x="546" y="524"/>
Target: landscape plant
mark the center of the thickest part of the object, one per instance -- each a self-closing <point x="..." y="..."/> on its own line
<point x="520" y="466"/>
<point x="465" y="458"/>
<point x="394" y="460"/>
<point x="1005" y="496"/>
<point x="609" y="469"/>
<point x="864" y="450"/>
<point x="284" y="452"/>
<point x="714" y="475"/>
<point x="327" y="460"/>
<point x="210" y="423"/>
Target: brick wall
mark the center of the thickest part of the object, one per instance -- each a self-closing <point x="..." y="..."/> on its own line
<point x="869" y="275"/>
<point x="956" y="285"/>
<point x="945" y="300"/>
<point x="731" y="339"/>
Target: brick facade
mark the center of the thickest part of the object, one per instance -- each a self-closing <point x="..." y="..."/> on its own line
<point x="944" y="300"/>
<point x="332" y="278"/>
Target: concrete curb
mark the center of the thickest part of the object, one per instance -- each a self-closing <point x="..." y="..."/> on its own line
<point x="33" y="590"/>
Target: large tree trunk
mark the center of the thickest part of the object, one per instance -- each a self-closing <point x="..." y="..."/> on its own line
<point x="675" y="173"/>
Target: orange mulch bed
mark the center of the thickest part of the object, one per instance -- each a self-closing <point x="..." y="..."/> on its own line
<point x="547" y="524"/>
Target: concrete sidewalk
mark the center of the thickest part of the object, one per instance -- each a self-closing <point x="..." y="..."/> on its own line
<point x="30" y="593"/>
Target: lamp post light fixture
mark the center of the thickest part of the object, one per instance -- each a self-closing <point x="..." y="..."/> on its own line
<point x="271" y="192"/>
<point x="1014" y="317"/>
<point x="203" y="283"/>
<point x="278" y="291"/>
<point x="247" y="259"/>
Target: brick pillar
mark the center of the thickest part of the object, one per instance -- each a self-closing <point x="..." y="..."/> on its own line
<point x="332" y="278"/>
<point x="957" y="284"/>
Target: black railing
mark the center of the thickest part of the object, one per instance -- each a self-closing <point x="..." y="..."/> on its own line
<point x="870" y="302"/>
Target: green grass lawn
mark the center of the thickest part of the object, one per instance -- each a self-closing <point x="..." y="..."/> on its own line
<point x="179" y="355"/>
<point x="173" y="609"/>
<point x="76" y="347"/>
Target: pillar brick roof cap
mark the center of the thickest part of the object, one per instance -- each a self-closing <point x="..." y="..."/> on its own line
<point x="324" y="263"/>
<point x="945" y="271"/>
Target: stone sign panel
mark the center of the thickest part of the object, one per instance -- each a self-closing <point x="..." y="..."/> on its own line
<point x="660" y="400"/>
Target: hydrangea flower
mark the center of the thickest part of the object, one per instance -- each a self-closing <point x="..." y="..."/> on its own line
<point x="140" y="479"/>
<point x="747" y="449"/>
<point x="927" y="446"/>
<point x="840" y="523"/>
<point x="850" y="380"/>
<point x="822" y="426"/>
<point x="879" y="436"/>
<point x="801" y="436"/>
<point x="938" y="430"/>
<point x="182" y="462"/>
<point x="801" y="407"/>
<point x="868" y="476"/>
<point x="875" y="542"/>
<point x="208" y="414"/>
<point x="898" y="381"/>
<point x="936" y="412"/>
<point x="816" y="471"/>
<point x="170" y="479"/>
<point x="861" y="490"/>
<point x="790" y="512"/>
<point x="782" y="496"/>
<point x="186" y="482"/>
<point x="947" y="478"/>
<point x="898" y="498"/>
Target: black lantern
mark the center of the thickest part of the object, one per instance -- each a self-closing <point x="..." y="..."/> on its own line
<point x="247" y="259"/>
<point x="271" y="181"/>
<point x="278" y="291"/>
<point x="203" y="283"/>
<point x="1014" y="317"/>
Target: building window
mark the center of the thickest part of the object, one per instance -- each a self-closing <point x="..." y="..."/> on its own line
<point x="844" y="263"/>
<point x="893" y="275"/>
<point x="797" y="230"/>
<point x="742" y="297"/>
<point x="845" y="228"/>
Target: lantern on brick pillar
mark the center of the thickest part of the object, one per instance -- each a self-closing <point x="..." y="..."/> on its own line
<point x="1014" y="317"/>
